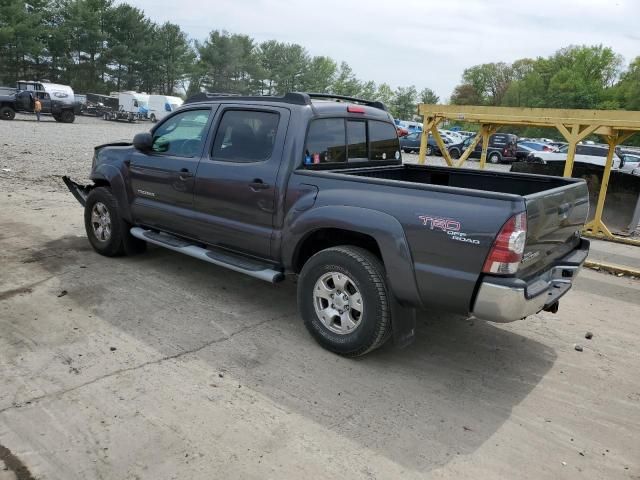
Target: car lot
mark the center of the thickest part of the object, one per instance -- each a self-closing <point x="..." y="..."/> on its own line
<point x="160" y="366"/>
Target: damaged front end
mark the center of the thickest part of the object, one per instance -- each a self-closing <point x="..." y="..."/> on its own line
<point x="79" y="191"/>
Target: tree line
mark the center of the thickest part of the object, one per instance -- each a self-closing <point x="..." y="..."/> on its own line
<point x="583" y="77"/>
<point x="99" y="46"/>
<point x="590" y="77"/>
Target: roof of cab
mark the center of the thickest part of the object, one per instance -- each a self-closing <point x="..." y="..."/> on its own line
<point x="321" y="103"/>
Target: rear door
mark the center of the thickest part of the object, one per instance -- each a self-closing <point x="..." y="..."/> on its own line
<point x="235" y="189"/>
<point x="554" y="220"/>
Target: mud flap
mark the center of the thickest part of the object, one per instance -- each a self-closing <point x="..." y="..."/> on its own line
<point x="403" y="322"/>
<point x="79" y="191"/>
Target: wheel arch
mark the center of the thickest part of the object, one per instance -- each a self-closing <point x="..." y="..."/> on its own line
<point x="378" y="232"/>
<point x="106" y="175"/>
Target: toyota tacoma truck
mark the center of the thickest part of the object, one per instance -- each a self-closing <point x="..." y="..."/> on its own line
<point x="313" y="186"/>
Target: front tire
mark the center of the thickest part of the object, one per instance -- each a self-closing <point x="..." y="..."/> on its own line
<point x="7" y="113"/>
<point x="429" y="150"/>
<point x="343" y="300"/>
<point x="455" y="153"/>
<point x="106" y="230"/>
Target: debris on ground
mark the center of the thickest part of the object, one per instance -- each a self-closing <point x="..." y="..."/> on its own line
<point x="588" y="335"/>
<point x="62" y="293"/>
<point x="578" y="347"/>
<point x="113" y="349"/>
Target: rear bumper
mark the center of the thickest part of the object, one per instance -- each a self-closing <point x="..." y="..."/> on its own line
<point x="509" y="299"/>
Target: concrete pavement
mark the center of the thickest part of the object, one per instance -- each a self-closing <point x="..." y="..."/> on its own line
<point x="160" y="366"/>
<point x="616" y="254"/>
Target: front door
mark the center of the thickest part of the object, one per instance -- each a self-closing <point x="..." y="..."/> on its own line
<point x="236" y="190"/>
<point x="163" y="178"/>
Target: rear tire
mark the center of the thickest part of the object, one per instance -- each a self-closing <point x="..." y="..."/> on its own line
<point x="106" y="230"/>
<point x="429" y="150"/>
<point x="360" y="320"/>
<point x="67" y="116"/>
<point x="455" y="153"/>
<point x="153" y="118"/>
<point x="494" y="158"/>
<point x="7" y="113"/>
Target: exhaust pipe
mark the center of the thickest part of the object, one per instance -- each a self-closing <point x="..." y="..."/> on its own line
<point x="553" y="308"/>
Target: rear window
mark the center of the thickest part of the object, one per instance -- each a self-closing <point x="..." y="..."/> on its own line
<point x="384" y="141"/>
<point x="357" y="140"/>
<point x="339" y="140"/>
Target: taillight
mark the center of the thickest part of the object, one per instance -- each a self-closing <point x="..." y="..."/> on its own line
<point x="507" y="249"/>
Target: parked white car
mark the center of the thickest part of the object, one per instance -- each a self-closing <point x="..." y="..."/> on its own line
<point x="594" y="154"/>
<point x="631" y="164"/>
<point x="454" y="136"/>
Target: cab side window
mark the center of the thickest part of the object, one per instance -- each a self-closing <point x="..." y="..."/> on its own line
<point x="326" y="141"/>
<point x="245" y="136"/>
<point x="182" y="135"/>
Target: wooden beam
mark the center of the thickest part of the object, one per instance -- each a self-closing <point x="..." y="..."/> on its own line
<point x="469" y="150"/>
<point x="550" y="117"/>
<point x="427" y="125"/>
<point x="441" y="146"/>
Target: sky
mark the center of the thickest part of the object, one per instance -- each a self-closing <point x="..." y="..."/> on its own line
<point x="423" y="43"/>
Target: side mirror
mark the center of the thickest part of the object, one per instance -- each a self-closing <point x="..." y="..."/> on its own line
<point x="143" y="141"/>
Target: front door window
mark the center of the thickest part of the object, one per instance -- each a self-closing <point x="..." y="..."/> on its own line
<point x="182" y="135"/>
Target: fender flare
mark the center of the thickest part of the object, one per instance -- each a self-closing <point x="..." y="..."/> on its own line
<point x="113" y="176"/>
<point x="382" y="227"/>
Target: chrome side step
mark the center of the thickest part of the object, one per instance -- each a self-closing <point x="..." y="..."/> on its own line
<point x="237" y="263"/>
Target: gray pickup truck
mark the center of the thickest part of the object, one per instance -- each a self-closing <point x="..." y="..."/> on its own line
<point x="313" y="186"/>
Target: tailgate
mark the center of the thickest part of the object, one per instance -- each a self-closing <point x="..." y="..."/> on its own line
<point x="554" y="220"/>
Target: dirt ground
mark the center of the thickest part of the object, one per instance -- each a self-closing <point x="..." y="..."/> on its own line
<point x="163" y="367"/>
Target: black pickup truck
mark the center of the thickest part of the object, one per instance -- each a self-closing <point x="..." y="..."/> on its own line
<point x="57" y="100"/>
<point x="314" y="186"/>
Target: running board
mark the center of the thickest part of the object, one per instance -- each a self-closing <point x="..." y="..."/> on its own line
<point x="217" y="256"/>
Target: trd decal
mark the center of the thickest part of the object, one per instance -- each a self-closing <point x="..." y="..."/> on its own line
<point x="444" y="224"/>
<point x="448" y="225"/>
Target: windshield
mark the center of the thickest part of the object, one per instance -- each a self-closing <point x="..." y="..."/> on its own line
<point x="534" y="146"/>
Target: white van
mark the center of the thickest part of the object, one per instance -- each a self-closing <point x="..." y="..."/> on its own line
<point x="162" y="105"/>
<point x="133" y="102"/>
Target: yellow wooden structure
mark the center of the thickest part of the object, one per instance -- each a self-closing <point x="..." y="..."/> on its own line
<point x="615" y="126"/>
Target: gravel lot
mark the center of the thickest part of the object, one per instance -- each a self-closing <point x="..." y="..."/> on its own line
<point x="160" y="366"/>
<point x="41" y="153"/>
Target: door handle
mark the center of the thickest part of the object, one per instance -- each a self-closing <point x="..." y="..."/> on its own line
<point x="258" y="184"/>
<point x="185" y="173"/>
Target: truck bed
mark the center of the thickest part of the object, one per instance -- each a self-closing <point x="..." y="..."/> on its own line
<point x="482" y="201"/>
<point x="486" y="181"/>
